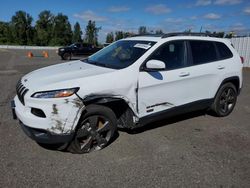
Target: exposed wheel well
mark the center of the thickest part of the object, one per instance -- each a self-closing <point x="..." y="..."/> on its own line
<point x="123" y="112"/>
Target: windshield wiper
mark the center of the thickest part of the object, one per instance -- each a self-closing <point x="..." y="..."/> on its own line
<point x="99" y="64"/>
<point x="94" y="62"/>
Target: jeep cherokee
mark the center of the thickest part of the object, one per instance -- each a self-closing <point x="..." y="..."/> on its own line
<point x="127" y="84"/>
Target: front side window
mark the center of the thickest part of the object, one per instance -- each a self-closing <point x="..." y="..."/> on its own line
<point x="203" y="52"/>
<point x="120" y="54"/>
<point x="75" y="45"/>
<point x="172" y="54"/>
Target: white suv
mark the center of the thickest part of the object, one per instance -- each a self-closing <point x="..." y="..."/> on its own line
<point x="131" y="82"/>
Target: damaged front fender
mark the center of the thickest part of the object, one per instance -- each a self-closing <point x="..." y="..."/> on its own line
<point x="65" y="114"/>
<point x="105" y="99"/>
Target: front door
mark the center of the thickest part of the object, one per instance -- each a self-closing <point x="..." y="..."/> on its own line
<point x="161" y="90"/>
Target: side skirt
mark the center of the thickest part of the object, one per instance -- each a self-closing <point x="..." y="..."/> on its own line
<point x="178" y="110"/>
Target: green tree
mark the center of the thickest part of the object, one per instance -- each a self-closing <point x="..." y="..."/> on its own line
<point x="44" y="27"/>
<point x="91" y="33"/>
<point x="21" y="28"/>
<point x="61" y="32"/>
<point x="142" y="30"/>
<point x="159" y="32"/>
<point x="128" y="34"/>
<point x="216" y="34"/>
<point x="5" y="33"/>
<point x="77" y="33"/>
<point x="119" y="35"/>
<point x="110" y="37"/>
<point x="230" y="35"/>
<point x="219" y="34"/>
<point x="189" y="31"/>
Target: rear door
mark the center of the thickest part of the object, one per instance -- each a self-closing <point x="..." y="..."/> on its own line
<point x="206" y="68"/>
<point x="86" y="49"/>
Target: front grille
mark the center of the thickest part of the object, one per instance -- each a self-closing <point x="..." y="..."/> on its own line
<point x="21" y="90"/>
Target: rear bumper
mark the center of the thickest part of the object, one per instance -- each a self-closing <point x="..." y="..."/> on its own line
<point x="43" y="136"/>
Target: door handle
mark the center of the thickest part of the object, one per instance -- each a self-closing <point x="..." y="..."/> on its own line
<point x="220" y="67"/>
<point x="184" y="74"/>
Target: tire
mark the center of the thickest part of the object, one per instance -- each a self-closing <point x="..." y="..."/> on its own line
<point x="95" y="130"/>
<point x="225" y="100"/>
<point x="59" y="147"/>
<point x="66" y="56"/>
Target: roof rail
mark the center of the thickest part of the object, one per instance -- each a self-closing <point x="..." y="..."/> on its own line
<point x="147" y="35"/>
<point x="186" y="34"/>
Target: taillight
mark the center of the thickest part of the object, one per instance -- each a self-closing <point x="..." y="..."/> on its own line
<point x="242" y="59"/>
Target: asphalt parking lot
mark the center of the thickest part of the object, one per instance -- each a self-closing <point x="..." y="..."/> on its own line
<point x="195" y="150"/>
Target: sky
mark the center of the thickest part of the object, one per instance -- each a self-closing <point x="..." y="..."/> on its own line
<point x="126" y="15"/>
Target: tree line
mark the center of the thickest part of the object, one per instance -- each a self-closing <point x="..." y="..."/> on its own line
<point x="56" y="30"/>
<point x="142" y="30"/>
<point x="117" y="35"/>
<point x="49" y="29"/>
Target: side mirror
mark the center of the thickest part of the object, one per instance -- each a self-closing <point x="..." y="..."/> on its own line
<point x="155" y="65"/>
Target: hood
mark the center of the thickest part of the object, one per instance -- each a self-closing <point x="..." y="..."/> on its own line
<point x="64" y="72"/>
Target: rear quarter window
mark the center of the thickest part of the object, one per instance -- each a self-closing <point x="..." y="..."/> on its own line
<point x="224" y="51"/>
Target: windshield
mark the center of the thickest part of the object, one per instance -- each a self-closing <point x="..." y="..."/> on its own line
<point x="120" y="54"/>
<point x="72" y="45"/>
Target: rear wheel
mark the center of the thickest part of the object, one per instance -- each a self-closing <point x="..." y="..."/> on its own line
<point x="95" y="131"/>
<point x="225" y="100"/>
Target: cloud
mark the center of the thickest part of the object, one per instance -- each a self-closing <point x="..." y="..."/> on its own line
<point x="227" y="2"/>
<point x="193" y="17"/>
<point x="212" y="16"/>
<point x="158" y="9"/>
<point x="238" y="27"/>
<point x="203" y="2"/>
<point x="90" y="15"/>
<point x="247" y="10"/>
<point x="174" y="20"/>
<point x="209" y="27"/>
<point x="118" y="9"/>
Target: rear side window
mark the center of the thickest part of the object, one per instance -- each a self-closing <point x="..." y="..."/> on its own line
<point x="224" y="51"/>
<point x="203" y="52"/>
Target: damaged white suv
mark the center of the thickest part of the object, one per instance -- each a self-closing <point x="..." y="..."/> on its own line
<point x="131" y="82"/>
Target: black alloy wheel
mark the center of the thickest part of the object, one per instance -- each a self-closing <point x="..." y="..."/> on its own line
<point x="225" y="100"/>
<point x="95" y="130"/>
<point x="66" y="56"/>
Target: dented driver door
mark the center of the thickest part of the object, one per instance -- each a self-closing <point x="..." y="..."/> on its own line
<point x="165" y="89"/>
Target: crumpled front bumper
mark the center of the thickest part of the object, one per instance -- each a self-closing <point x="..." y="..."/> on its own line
<point x="59" y="123"/>
<point x="46" y="137"/>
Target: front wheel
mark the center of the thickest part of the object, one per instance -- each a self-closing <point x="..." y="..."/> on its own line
<point x="95" y="131"/>
<point x="225" y="100"/>
<point x="66" y="56"/>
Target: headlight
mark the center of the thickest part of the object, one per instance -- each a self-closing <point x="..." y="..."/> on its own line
<point x="62" y="49"/>
<point x="56" y="93"/>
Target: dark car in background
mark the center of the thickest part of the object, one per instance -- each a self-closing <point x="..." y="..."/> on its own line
<point x="77" y="49"/>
